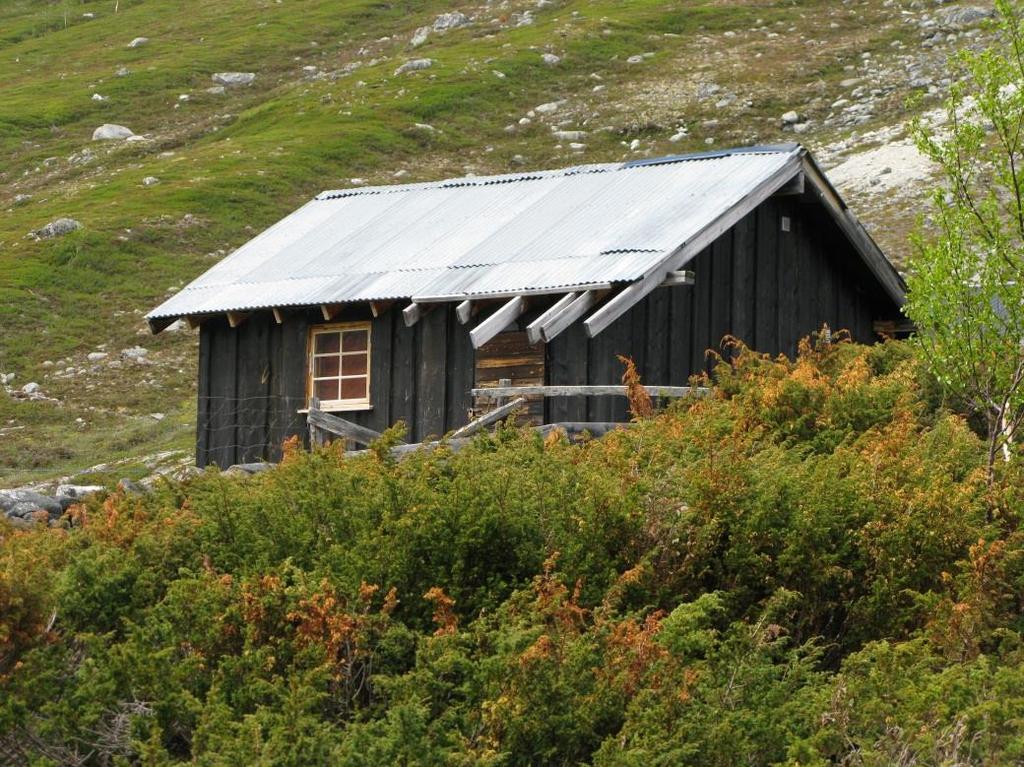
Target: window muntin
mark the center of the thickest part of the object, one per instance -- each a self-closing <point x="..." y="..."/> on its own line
<point x="339" y="369"/>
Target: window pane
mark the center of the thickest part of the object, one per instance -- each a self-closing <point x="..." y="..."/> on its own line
<point x="327" y="342"/>
<point x="353" y="388"/>
<point x="326" y="390"/>
<point x="353" y="364"/>
<point x="325" y="367"/>
<point x="355" y="340"/>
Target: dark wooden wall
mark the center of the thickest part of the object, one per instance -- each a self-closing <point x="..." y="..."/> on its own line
<point x="763" y="285"/>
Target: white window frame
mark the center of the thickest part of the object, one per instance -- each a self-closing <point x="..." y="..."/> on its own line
<point x="339" y="405"/>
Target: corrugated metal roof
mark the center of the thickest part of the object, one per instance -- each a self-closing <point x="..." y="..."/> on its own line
<point x="479" y="236"/>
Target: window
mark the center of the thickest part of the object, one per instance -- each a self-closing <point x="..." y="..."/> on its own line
<point x="339" y="366"/>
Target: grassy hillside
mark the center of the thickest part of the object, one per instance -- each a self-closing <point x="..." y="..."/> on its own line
<point x="326" y="108"/>
<point x="805" y="568"/>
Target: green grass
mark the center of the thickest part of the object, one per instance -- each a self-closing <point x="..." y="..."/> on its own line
<point x="236" y="163"/>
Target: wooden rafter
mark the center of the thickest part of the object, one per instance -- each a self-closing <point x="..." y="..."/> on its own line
<point x="497" y="321"/>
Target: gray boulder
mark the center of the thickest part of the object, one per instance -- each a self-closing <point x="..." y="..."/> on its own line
<point x="414" y="65"/>
<point x="138" y="42"/>
<point x="234" y="79"/>
<point x="112" y="132"/>
<point x="57" y="228"/>
<point x="23" y="504"/>
<point x="447" y="21"/>
<point x="957" y="17"/>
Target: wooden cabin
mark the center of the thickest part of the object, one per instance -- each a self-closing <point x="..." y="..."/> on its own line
<point x="397" y="302"/>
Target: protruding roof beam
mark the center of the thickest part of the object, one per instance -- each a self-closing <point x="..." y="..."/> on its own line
<point x="377" y="308"/>
<point x="465" y="311"/>
<point x="635" y="292"/>
<point x="414" y="312"/>
<point x="580" y="305"/>
<point x="793" y="187"/>
<point x="278" y="315"/>
<point x="237" y="318"/>
<point x="497" y="322"/>
<point x="672" y="279"/>
<point x="330" y="311"/>
<point x="195" y="320"/>
<point x="534" y="329"/>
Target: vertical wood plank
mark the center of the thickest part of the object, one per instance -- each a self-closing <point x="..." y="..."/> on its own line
<point x="566" y="363"/>
<point x="253" y="389"/>
<point x="680" y="333"/>
<point x="203" y="397"/>
<point x="766" y="307"/>
<point x="656" y="337"/>
<point x="705" y="276"/>
<point x="721" y="291"/>
<point x="744" y="295"/>
<point x="403" y="376"/>
<point x="223" y="394"/>
<point x="432" y="375"/>
<point x="461" y="365"/>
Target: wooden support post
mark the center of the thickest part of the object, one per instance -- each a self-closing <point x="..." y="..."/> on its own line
<point x="194" y="321"/>
<point x="237" y="318"/>
<point x="465" y="311"/>
<point x="487" y="419"/>
<point x="278" y="315"/>
<point x="534" y="329"/>
<point x="314" y="433"/>
<point x="497" y="322"/>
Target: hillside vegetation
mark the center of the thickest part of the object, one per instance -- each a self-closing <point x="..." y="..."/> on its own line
<point x="805" y="568"/>
<point x="327" y="109"/>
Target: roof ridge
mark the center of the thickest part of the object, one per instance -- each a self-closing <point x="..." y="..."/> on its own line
<point x="572" y="170"/>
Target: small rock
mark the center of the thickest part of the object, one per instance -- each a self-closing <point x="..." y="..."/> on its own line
<point x="30" y="388"/>
<point x="150" y="181"/>
<point x="57" y="228"/>
<point x="790" y="118"/>
<point x="551" y="59"/>
<point x="134" y="353"/>
<point x="425" y="127"/>
<point x="216" y="90"/>
<point x="234" y="79"/>
<point x="414" y="65"/>
<point x="96" y="356"/>
<point x="569" y="135"/>
<point x="111" y="132"/>
<point x="549" y="107"/>
<point x="157" y="416"/>
<point x="635" y="59"/>
<point x="122" y="72"/>
<point x="138" y="42"/>
<point x="21" y="199"/>
<point x="98" y="97"/>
